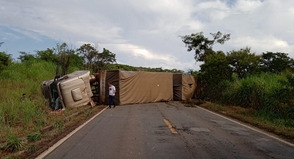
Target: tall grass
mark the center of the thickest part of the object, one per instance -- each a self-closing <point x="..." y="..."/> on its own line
<point x="270" y="94"/>
<point x="23" y="122"/>
<point x="13" y="143"/>
<point x="22" y="116"/>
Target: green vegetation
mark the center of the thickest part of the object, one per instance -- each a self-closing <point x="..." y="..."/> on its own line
<point x="24" y="121"/>
<point x="34" y="137"/>
<point x="19" y="117"/>
<point x="270" y="94"/>
<point x="263" y="84"/>
<point x="257" y="89"/>
<point x="13" y="143"/>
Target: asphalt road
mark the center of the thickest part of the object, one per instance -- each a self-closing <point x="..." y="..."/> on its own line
<point x="167" y="131"/>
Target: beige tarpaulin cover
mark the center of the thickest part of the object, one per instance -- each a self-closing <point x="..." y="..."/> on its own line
<point x="140" y="86"/>
<point x="183" y="86"/>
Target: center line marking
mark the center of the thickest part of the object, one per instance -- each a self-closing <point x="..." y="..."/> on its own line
<point x="170" y="126"/>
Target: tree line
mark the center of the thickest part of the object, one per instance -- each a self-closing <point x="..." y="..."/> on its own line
<point x="238" y="77"/>
<point x="85" y="57"/>
<point x="241" y="62"/>
<point x="264" y="82"/>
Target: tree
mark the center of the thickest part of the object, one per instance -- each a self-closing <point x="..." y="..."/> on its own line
<point x="94" y="60"/>
<point x="192" y="72"/>
<point x="214" y="71"/>
<point x="76" y="61"/>
<point x="23" y="57"/>
<point x="47" y="55"/>
<point x="276" y="62"/>
<point x="104" y="58"/>
<point x="201" y="44"/>
<point x="64" y="55"/>
<point x="88" y="53"/>
<point x="5" y="60"/>
<point x="243" y="63"/>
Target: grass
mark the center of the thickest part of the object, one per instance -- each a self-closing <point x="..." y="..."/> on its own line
<point x="13" y="143"/>
<point x="271" y="92"/>
<point x="38" y="140"/>
<point x="23" y="116"/>
<point x="34" y="137"/>
<point x="252" y="117"/>
<point x="28" y="126"/>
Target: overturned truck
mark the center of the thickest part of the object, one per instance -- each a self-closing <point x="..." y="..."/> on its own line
<point x="146" y="87"/>
<point x="80" y="88"/>
<point x="71" y="90"/>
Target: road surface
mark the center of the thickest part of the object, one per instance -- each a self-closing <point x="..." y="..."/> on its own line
<point x="167" y="131"/>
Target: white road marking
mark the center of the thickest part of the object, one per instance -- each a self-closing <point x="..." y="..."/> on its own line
<point x="252" y="128"/>
<point x="50" y="149"/>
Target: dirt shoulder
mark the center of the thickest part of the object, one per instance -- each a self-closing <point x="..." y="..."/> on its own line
<point x="52" y="134"/>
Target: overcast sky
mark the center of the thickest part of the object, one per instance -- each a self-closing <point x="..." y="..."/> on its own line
<point x="146" y="32"/>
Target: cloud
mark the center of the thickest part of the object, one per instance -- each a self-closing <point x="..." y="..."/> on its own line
<point x="138" y="51"/>
<point x="263" y="44"/>
<point x="147" y="33"/>
<point x="247" y="6"/>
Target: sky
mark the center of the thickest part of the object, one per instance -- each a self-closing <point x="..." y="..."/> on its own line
<point x="146" y="33"/>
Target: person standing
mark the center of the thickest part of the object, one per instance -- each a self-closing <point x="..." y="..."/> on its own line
<point x="112" y="91"/>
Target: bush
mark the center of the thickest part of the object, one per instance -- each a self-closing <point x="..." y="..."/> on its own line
<point x="13" y="143"/>
<point x="34" y="137"/>
<point x="270" y="94"/>
<point x="247" y="92"/>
